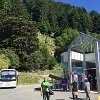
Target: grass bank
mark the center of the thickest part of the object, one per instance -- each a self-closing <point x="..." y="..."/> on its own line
<point x="36" y="77"/>
<point x="28" y="78"/>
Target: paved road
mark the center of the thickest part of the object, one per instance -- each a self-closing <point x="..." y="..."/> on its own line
<point x="28" y="93"/>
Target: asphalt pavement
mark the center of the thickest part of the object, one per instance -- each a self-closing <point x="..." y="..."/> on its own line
<point x="32" y="92"/>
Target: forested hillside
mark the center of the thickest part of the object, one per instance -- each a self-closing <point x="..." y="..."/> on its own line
<point x="22" y="20"/>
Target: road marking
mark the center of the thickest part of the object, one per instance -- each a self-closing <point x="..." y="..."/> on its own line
<point x="98" y="97"/>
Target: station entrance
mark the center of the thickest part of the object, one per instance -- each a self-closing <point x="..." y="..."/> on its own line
<point x="84" y="52"/>
<point x="90" y="72"/>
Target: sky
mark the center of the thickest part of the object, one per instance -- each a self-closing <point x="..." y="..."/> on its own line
<point x="87" y="4"/>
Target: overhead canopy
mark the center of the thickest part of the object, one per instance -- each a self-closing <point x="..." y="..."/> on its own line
<point x="83" y="43"/>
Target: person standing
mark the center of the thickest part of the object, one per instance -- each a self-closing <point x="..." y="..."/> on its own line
<point x="90" y="80"/>
<point x="87" y="88"/>
<point x="81" y="82"/>
<point x="67" y="82"/>
<point x="75" y="86"/>
<point x="63" y="83"/>
<point x="67" y="79"/>
<point x="45" y="86"/>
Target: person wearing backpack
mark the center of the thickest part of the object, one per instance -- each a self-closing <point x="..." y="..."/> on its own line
<point x="45" y="87"/>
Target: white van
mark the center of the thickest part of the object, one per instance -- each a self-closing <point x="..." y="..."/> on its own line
<point x="8" y="78"/>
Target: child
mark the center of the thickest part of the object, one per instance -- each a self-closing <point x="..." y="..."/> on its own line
<point x="87" y="88"/>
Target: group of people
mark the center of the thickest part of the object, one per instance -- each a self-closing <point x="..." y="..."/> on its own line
<point x="90" y="79"/>
<point x="84" y="85"/>
<point x="83" y="82"/>
<point x="66" y="85"/>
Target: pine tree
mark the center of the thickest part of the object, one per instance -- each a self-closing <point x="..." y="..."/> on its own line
<point x="18" y="9"/>
<point x="2" y="12"/>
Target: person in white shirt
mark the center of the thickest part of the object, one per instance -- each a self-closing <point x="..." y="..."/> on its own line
<point x="75" y="78"/>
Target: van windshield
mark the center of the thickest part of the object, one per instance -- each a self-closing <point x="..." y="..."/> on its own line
<point x="8" y="74"/>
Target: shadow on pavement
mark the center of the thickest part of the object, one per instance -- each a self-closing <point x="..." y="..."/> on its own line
<point x="60" y="90"/>
<point x="60" y="99"/>
<point x="78" y="98"/>
<point x="37" y="89"/>
<point x="7" y="88"/>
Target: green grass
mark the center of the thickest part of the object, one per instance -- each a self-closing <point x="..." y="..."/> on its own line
<point x="36" y="77"/>
<point x="56" y="72"/>
<point x="26" y="79"/>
